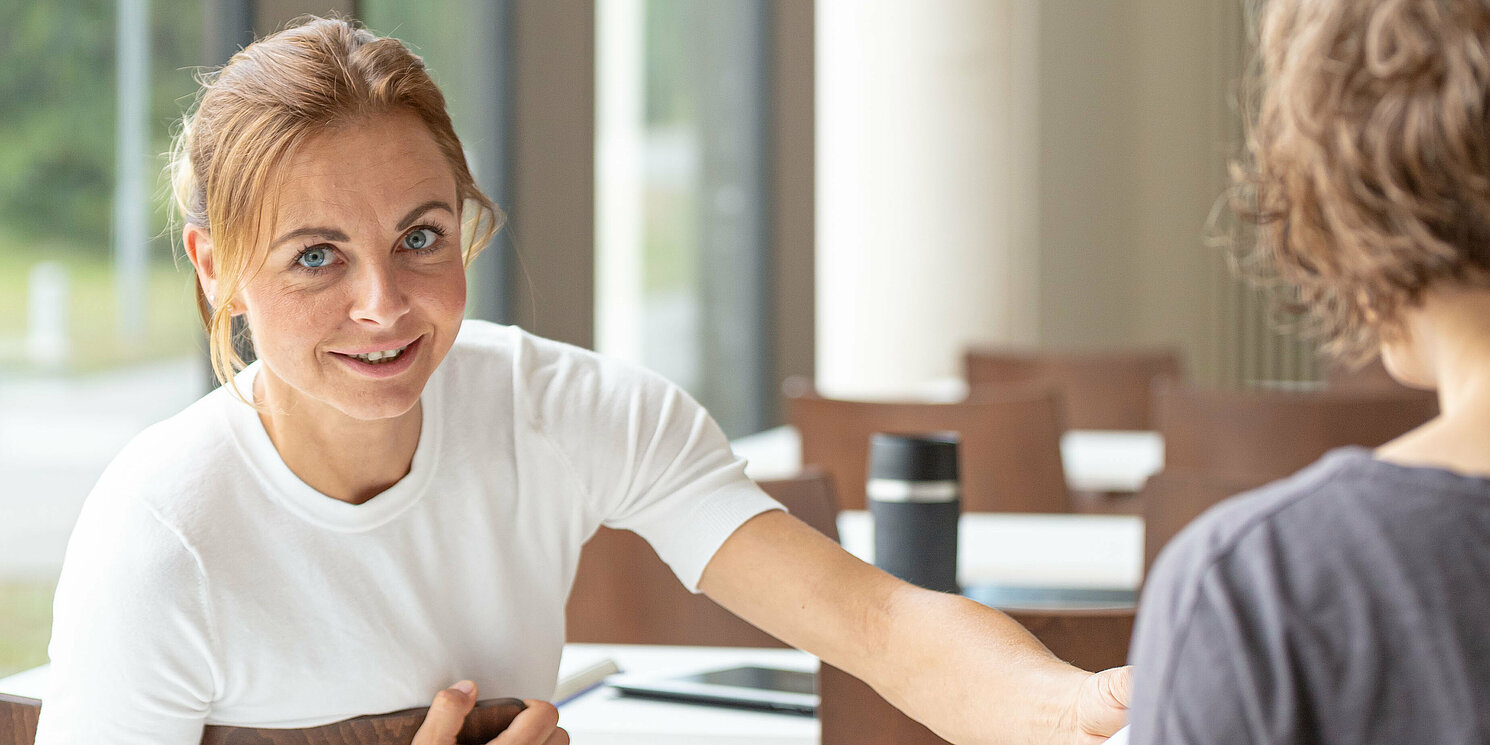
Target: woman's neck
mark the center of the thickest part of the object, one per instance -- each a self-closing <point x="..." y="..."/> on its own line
<point x="344" y="458"/>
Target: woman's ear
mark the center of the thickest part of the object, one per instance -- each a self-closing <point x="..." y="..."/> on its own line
<point x="198" y="246"/>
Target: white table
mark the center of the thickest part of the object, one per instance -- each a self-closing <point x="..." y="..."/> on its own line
<point x="1070" y="551"/>
<point x="1095" y="460"/>
<point x="604" y="717"/>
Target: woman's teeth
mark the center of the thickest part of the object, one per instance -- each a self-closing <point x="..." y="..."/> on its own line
<point x="377" y="357"/>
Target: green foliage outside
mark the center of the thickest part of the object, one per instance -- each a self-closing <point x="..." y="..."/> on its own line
<point x="25" y="624"/>
<point x="57" y="148"/>
<point x="57" y="154"/>
<point x="57" y="102"/>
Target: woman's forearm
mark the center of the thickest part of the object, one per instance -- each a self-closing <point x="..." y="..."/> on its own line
<point x="971" y="673"/>
<point x="968" y="672"/>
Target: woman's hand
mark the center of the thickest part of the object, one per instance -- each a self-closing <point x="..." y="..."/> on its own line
<point x="1100" y="707"/>
<point x="536" y="725"/>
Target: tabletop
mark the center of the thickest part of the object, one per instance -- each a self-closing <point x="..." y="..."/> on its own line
<point x="1067" y="551"/>
<point x="605" y="717"/>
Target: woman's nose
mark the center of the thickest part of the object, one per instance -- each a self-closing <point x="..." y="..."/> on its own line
<point x="378" y="296"/>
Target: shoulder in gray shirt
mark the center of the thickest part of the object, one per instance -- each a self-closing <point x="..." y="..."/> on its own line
<point x="1349" y="603"/>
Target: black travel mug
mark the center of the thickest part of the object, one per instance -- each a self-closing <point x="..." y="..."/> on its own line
<point x="914" y="497"/>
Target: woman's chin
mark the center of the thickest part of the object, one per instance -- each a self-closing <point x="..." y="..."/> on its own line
<point x="382" y="407"/>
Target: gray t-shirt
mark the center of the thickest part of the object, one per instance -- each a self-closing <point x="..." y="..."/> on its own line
<point x="1349" y="603"/>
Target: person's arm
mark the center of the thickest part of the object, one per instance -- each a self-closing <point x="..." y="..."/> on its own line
<point x="131" y="647"/>
<point x="968" y="672"/>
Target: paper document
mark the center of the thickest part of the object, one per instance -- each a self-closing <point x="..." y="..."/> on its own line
<point x="574" y="682"/>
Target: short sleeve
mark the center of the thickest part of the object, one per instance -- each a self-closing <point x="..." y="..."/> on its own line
<point x="1211" y="659"/>
<point x="130" y="649"/>
<point x="646" y="457"/>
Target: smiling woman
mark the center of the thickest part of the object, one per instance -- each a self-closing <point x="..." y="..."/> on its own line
<point x="224" y="170"/>
<point x="389" y="499"/>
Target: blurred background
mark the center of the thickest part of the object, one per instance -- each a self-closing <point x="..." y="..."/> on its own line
<point x="731" y="193"/>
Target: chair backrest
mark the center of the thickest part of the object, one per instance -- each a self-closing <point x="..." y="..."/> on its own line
<point x="19" y="716"/>
<point x="624" y="594"/>
<point x="853" y="714"/>
<point x="1254" y="436"/>
<point x="1010" y="454"/>
<point x="1174" y="497"/>
<point x="1221" y="443"/>
<point x="1102" y="389"/>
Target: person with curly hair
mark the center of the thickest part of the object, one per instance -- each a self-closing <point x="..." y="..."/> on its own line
<point x="1347" y="603"/>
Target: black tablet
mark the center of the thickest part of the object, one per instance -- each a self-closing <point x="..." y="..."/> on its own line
<point x="748" y="686"/>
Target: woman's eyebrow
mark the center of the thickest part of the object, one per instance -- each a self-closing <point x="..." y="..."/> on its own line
<point x="423" y="208"/>
<point x="327" y="233"/>
<point x="336" y="235"/>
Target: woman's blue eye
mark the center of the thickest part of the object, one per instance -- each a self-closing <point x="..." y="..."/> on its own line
<point x="420" y="239"/>
<point x="313" y="258"/>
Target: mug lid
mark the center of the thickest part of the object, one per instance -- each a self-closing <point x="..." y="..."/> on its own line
<point x="913" y="457"/>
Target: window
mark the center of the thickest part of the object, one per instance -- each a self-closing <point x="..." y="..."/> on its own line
<point x="464" y="45"/>
<point x="99" y="335"/>
<point x="682" y="205"/>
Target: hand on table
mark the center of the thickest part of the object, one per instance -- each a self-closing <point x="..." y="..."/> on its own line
<point x="1100" y="707"/>
<point x="536" y="725"/>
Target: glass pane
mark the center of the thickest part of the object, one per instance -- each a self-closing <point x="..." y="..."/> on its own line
<point x="99" y="336"/>
<point x="458" y="41"/>
<point x="681" y="264"/>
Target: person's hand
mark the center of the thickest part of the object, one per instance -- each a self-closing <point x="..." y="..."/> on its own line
<point x="536" y="725"/>
<point x="1100" y="707"/>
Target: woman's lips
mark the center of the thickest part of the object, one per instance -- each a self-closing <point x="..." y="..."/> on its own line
<point x="383" y="369"/>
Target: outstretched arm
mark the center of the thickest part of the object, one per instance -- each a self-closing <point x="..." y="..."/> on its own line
<point x="968" y="672"/>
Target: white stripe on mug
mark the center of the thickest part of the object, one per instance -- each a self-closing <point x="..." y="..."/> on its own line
<point x="895" y="490"/>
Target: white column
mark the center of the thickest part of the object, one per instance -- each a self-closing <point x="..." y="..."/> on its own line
<point x="926" y="134"/>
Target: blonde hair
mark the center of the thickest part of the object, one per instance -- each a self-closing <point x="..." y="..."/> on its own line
<point x="314" y="76"/>
<point x="1367" y="174"/>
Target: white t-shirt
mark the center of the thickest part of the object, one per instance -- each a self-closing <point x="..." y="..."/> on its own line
<point x="206" y="583"/>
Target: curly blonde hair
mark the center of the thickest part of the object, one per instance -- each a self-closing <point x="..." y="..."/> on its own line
<point x="1367" y="168"/>
<point x="270" y="98"/>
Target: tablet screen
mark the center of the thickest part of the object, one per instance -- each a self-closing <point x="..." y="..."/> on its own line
<point x="751" y="686"/>
<point x="764" y="678"/>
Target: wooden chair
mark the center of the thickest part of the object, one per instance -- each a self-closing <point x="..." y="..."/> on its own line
<point x="853" y="714"/>
<point x="1174" y="497"/>
<point x="1102" y="389"/>
<point x="19" y="716"/>
<point x="1253" y="436"/>
<point x="624" y="594"/>
<point x="1010" y="454"/>
<point x="1221" y="443"/>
